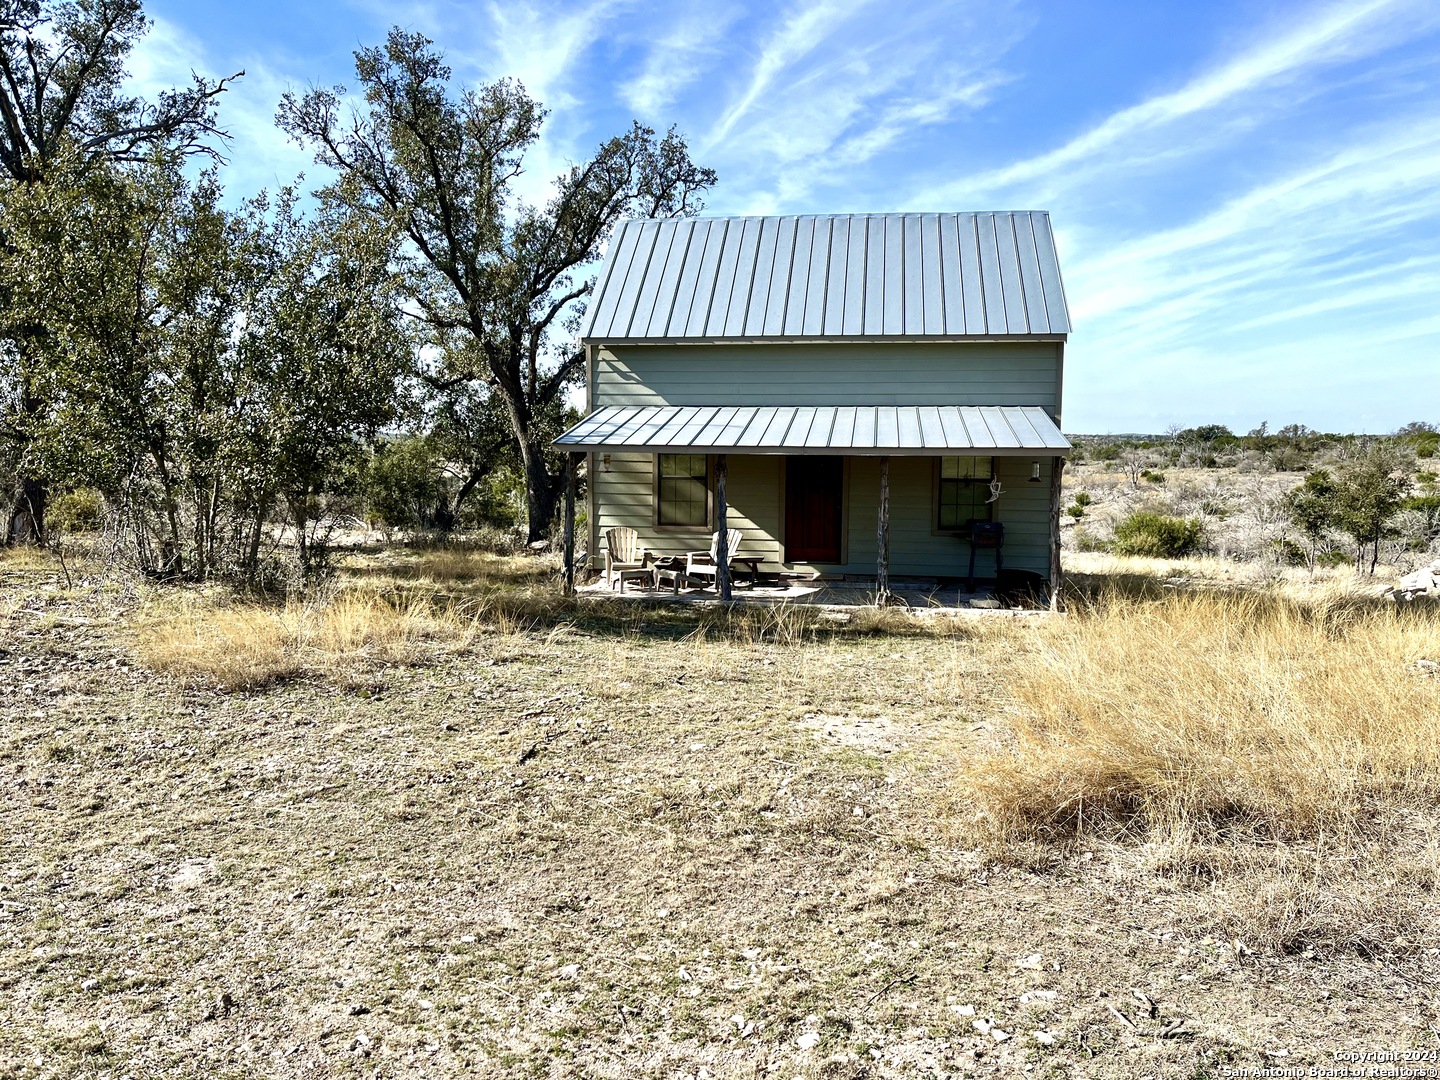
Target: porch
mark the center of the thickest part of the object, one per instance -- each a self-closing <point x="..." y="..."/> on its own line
<point x="837" y="493"/>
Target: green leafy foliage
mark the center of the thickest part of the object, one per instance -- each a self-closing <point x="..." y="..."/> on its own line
<point x="66" y="116"/>
<point x="80" y="511"/>
<point x="499" y="283"/>
<point x="1370" y="485"/>
<point x="1156" y="535"/>
<point x="200" y="368"/>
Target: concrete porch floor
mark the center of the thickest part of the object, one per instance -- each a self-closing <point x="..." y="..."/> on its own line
<point x="919" y="596"/>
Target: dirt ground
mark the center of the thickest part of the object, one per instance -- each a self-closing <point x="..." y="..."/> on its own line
<point x="599" y="849"/>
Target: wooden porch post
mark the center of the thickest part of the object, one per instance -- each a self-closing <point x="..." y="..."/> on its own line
<point x="570" y="524"/>
<point x="722" y="528"/>
<point x="1057" y="584"/>
<point x="882" y="537"/>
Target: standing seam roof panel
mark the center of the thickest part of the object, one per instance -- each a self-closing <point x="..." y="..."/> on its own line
<point x="931" y="291"/>
<point x="892" y="276"/>
<point x="1030" y="271"/>
<point x="991" y="276"/>
<point x="656" y="290"/>
<point x="741" y="276"/>
<point x="1005" y="239"/>
<point x="639" y="266"/>
<point x="1057" y="315"/>
<point x="705" y="271"/>
<point x="837" y="273"/>
<point x="914" y="281"/>
<point x="896" y="275"/>
<point x="872" y="303"/>
<point x="757" y="294"/>
<point x="794" y="287"/>
<point x="772" y="322"/>
<point x="971" y="276"/>
<point x="726" y="265"/>
<point x="622" y="250"/>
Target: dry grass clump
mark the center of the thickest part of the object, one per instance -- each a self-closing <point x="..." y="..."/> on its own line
<point x="245" y="646"/>
<point x="1249" y="714"/>
<point x="460" y="565"/>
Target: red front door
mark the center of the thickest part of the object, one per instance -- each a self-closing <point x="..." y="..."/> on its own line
<point x="813" y="490"/>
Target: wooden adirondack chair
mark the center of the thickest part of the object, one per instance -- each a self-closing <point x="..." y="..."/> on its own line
<point x="705" y="564"/>
<point x="624" y="557"/>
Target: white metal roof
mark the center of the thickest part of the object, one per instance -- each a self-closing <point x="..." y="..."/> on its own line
<point x="830" y="276"/>
<point x="871" y="430"/>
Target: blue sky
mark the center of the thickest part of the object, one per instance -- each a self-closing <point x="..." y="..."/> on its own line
<point x="1246" y="196"/>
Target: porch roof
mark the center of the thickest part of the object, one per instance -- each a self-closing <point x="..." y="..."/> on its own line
<point x="865" y="430"/>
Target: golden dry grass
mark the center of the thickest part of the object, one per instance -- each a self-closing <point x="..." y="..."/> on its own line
<point x="241" y="646"/>
<point x="1251" y="713"/>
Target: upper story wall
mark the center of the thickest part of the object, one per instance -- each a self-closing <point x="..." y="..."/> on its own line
<point x="888" y="373"/>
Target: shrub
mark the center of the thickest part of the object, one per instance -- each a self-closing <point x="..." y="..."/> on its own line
<point x="1289" y="553"/>
<point x="1153" y="477"/>
<point x="1158" y="536"/>
<point x="76" y="511"/>
<point x="1085" y="540"/>
<point x="1106" y="452"/>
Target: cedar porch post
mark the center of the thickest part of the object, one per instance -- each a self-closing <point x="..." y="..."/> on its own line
<point x="570" y="524"/>
<point x="882" y="537"/>
<point x="722" y="538"/>
<point x="1057" y="602"/>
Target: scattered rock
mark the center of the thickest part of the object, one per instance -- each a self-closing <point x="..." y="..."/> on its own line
<point x="873" y="733"/>
<point x="808" y="1041"/>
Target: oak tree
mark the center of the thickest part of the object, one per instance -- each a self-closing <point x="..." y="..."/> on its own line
<point x="441" y="163"/>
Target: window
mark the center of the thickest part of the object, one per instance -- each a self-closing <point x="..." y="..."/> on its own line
<point x="963" y="491"/>
<point x="683" y="495"/>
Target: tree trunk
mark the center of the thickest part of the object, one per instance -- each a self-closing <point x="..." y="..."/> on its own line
<point x="882" y="537"/>
<point x="1057" y="583"/>
<point x="540" y="492"/>
<point x="570" y="460"/>
<point x="252" y="567"/>
<point x="25" y="523"/>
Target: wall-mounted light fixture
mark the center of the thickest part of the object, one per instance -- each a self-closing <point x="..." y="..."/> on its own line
<point x="1034" y="472"/>
<point x="605" y="463"/>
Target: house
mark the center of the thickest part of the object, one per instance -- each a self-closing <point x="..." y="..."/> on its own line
<point x="777" y="368"/>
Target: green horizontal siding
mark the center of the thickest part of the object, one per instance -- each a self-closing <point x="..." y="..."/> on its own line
<point x="896" y="373"/>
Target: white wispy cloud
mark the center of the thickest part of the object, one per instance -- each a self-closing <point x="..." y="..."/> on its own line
<point x="837" y="86"/>
<point x="678" y="56"/>
<point x="802" y="31"/>
<point x="1333" y="34"/>
<point x="258" y="153"/>
<point x="1314" y="292"/>
<point x="542" y="46"/>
